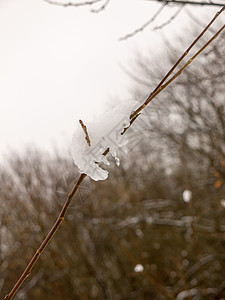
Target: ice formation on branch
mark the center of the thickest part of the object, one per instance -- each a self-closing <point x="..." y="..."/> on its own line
<point x="104" y="133"/>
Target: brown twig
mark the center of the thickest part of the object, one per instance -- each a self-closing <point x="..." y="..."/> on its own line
<point x="85" y="132"/>
<point x="133" y="116"/>
<point x="51" y="233"/>
<point x="163" y="86"/>
<point x="196" y="20"/>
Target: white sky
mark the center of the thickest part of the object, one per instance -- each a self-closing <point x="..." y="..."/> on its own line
<point x="61" y="64"/>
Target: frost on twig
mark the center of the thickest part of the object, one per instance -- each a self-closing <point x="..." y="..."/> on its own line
<point x="104" y="133"/>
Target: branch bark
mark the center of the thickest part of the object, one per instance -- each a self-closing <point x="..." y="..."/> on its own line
<point x="49" y="236"/>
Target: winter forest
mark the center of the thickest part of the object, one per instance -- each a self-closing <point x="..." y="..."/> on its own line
<point x="136" y="208"/>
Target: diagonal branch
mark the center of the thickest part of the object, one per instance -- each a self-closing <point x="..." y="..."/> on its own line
<point x="155" y="91"/>
<point x="163" y="86"/>
<point x="49" y="236"/>
<point x="170" y="19"/>
<point x="146" y="24"/>
<point x="97" y="10"/>
<point x="196" y="20"/>
<point x="87" y="138"/>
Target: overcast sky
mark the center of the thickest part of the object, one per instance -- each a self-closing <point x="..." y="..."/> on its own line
<point x="61" y="64"/>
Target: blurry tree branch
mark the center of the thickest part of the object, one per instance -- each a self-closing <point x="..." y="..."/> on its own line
<point x="149" y="22"/>
<point x="180" y="2"/>
<point x="169" y="20"/>
<point x="162" y="83"/>
<point x="97" y="10"/>
<point x="164" y="3"/>
<point x="106" y="2"/>
<point x="91" y="3"/>
<point x="146" y="24"/>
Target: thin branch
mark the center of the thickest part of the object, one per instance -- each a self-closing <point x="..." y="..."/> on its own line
<point x="97" y="10"/>
<point x="196" y="20"/>
<point x="49" y="236"/>
<point x="180" y="2"/>
<point x="70" y="3"/>
<point x="163" y="86"/>
<point x="127" y="36"/>
<point x="85" y="132"/>
<point x="170" y="19"/>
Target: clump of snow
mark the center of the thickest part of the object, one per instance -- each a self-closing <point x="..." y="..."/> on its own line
<point x="222" y="202"/>
<point x="138" y="268"/>
<point x="187" y="196"/>
<point x="104" y="133"/>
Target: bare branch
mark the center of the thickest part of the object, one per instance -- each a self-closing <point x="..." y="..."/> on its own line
<point x="127" y="36"/>
<point x="97" y="10"/>
<point x="160" y="86"/>
<point x="163" y="86"/>
<point x="180" y="2"/>
<point x="51" y="233"/>
<point x="85" y="132"/>
<point x="170" y="19"/>
<point x="75" y="4"/>
<point x="196" y="20"/>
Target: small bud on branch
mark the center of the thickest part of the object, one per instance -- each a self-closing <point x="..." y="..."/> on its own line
<point x="85" y="132"/>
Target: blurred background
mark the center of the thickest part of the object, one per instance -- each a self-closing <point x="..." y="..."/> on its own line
<point x="155" y="228"/>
